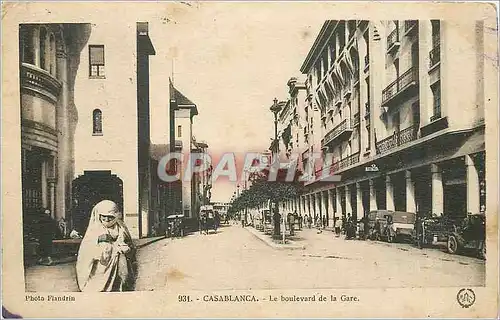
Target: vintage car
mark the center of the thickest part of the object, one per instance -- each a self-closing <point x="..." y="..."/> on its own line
<point x="390" y="225"/>
<point x="175" y="226"/>
<point x="434" y="230"/>
<point x="469" y="234"/>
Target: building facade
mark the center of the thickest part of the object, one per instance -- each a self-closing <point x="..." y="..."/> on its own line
<point x="83" y="142"/>
<point x="386" y="118"/>
<point x="48" y="63"/>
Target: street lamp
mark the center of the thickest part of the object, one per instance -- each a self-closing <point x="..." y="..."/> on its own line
<point x="275" y="109"/>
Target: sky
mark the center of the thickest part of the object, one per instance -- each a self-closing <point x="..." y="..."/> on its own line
<point x="232" y="60"/>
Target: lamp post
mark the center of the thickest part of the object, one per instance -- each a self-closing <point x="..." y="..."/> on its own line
<point x="275" y="109"/>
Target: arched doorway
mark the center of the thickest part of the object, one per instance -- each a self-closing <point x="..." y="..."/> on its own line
<point x="88" y="190"/>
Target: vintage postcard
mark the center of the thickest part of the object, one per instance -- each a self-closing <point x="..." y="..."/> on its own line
<point x="249" y="159"/>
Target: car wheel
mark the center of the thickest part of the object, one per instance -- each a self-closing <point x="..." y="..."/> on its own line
<point x="452" y="244"/>
<point x="390" y="238"/>
<point x="482" y="252"/>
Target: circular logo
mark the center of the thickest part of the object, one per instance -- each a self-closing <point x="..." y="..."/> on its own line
<point x="466" y="297"/>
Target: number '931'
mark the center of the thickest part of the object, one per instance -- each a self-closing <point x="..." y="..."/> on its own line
<point x="184" y="298"/>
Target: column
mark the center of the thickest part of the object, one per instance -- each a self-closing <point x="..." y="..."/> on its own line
<point x="45" y="194"/>
<point x="324" y="203"/>
<point x="411" y="205"/>
<point x="308" y="205"/>
<point x="437" y="190"/>
<point x="389" y="193"/>
<point x="338" y="203"/>
<point x="36" y="47"/>
<point x="373" y="195"/>
<point x="331" y="212"/>
<point x="348" y="204"/>
<point x="317" y="204"/>
<point x="359" y="201"/>
<point x="52" y="197"/>
<point x="472" y="185"/>
<point x="63" y="153"/>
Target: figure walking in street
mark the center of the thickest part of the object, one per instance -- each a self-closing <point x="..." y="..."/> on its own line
<point x="309" y="221"/>
<point x="47" y="229"/>
<point x="106" y="259"/>
<point x="318" y="224"/>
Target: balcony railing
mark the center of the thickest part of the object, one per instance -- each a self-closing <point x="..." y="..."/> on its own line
<point x="367" y="110"/>
<point x="349" y="161"/>
<point x="339" y="130"/>
<point x="409" y="24"/>
<point x="367" y="62"/>
<point x="40" y="81"/>
<point x="407" y="79"/>
<point x="393" y="39"/>
<point x="434" y="56"/>
<point x="355" y="119"/>
<point x="399" y="138"/>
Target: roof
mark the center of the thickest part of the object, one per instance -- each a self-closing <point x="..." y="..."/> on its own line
<point x="324" y="34"/>
<point x="183" y="102"/>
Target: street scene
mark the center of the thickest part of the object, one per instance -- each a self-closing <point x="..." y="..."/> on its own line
<point x="162" y="162"/>
<point x="240" y="260"/>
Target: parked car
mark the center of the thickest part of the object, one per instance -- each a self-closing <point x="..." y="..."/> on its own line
<point x="470" y="234"/>
<point x="175" y="226"/>
<point x="390" y="225"/>
<point x="433" y="230"/>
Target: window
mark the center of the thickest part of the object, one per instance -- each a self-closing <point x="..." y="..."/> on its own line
<point x="97" y="122"/>
<point x="43" y="54"/>
<point x="52" y="67"/>
<point x="436" y="32"/>
<point x="436" y="92"/>
<point x="368" y="137"/>
<point x="26" y="42"/>
<point x="96" y="61"/>
<point x="179" y="131"/>
<point x="396" y="122"/>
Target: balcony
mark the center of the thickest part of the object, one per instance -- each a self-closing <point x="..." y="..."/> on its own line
<point x="399" y="138"/>
<point x="305" y="155"/>
<point x="410" y="26"/>
<point x="393" y="40"/>
<point x="342" y="130"/>
<point x="349" y="161"/>
<point x="338" y="101"/>
<point x="355" y="119"/>
<point x="40" y="82"/>
<point x="437" y="123"/>
<point x="434" y="56"/>
<point x="367" y="63"/>
<point x="403" y="84"/>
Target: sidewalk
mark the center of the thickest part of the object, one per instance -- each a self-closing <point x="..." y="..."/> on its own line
<point x="276" y="244"/>
<point x="61" y="277"/>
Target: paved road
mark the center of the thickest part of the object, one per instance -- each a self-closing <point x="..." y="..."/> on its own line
<point x="235" y="259"/>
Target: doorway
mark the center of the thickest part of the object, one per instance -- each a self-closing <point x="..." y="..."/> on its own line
<point x="91" y="188"/>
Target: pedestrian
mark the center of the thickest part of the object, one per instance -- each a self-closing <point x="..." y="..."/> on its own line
<point x="106" y="258"/>
<point x="291" y="221"/>
<point x="63" y="232"/>
<point x="309" y="221"/>
<point x="324" y="222"/>
<point x="301" y="218"/>
<point x="46" y="230"/>
<point x="318" y="225"/>
<point x="337" y="226"/>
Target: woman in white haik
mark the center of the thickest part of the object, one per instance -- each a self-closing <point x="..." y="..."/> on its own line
<point x="106" y="258"/>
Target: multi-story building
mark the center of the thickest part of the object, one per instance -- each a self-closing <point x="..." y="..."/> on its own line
<point x="48" y="64"/>
<point x="391" y="124"/>
<point x="75" y="149"/>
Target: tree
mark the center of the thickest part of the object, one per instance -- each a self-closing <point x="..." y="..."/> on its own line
<point x="263" y="190"/>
